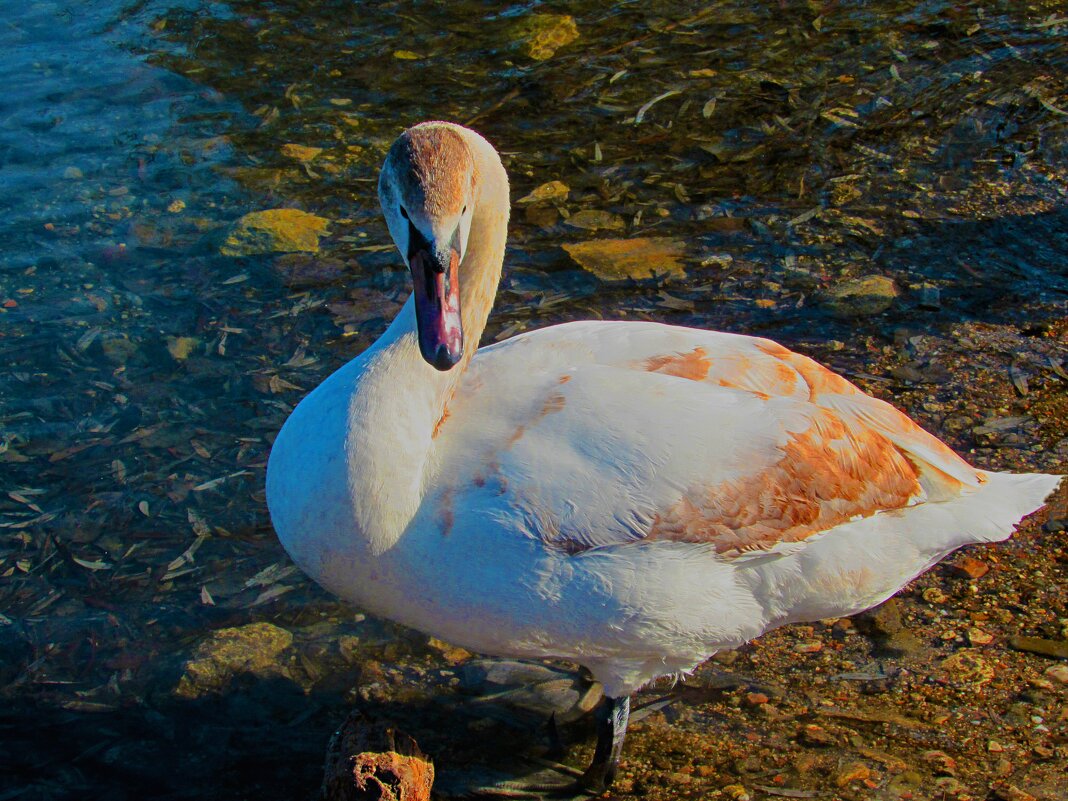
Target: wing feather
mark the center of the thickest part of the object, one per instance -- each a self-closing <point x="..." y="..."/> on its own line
<point x="618" y="432"/>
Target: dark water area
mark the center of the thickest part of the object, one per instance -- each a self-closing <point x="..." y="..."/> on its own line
<point x="780" y="152"/>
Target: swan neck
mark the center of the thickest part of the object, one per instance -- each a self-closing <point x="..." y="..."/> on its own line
<point x="401" y="399"/>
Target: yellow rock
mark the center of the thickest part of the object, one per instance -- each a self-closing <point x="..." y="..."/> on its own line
<point x="859" y="297"/>
<point x="541" y="35"/>
<point x="596" y="220"/>
<point x="300" y="152"/>
<point x="406" y="55"/>
<point x="852" y="772"/>
<point x="453" y="654"/>
<point x="254" y="648"/>
<point x="619" y="259"/>
<point x="546" y="193"/>
<point x="274" y="231"/>
<point x="967" y="667"/>
<point x="181" y="347"/>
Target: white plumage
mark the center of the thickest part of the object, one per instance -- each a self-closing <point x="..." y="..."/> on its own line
<point x="631" y="496"/>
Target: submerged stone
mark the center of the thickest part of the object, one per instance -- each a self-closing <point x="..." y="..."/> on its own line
<point x="596" y="220"/>
<point x="861" y="297"/>
<point x="254" y="649"/>
<point x="541" y="35"/>
<point x="546" y="193"/>
<point x="274" y="231"/>
<point x="619" y="259"/>
<point x="300" y="152"/>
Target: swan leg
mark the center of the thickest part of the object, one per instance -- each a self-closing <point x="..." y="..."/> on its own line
<point x="612" y="716"/>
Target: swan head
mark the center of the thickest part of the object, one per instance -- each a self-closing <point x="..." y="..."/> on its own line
<point x="426" y="189"/>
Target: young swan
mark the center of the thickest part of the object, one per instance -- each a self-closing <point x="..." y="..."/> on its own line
<point x="631" y="496"/>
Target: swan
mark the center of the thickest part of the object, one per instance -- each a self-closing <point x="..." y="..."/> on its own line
<point x="630" y="496"/>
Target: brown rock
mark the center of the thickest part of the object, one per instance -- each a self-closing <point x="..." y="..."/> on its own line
<point x="933" y="595"/>
<point x="301" y="152"/>
<point x="254" y="648"/>
<point x="619" y="259"/>
<point x="940" y="762"/>
<point x="970" y="567"/>
<point x="539" y="36"/>
<point x="860" y="297"/>
<point x="274" y="231"/>
<point x="1057" y="673"/>
<point x="453" y="654"/>
<point x="596" y="220"/>
<point x="371" y="761"/>
<point x="1037" y="645"/>
<point x="815" y="736"/>
<point x="852" y="772"/>
<point x="967" y="667"/>
<point x="546" y="193"/>
<point x="1010" y="792"/>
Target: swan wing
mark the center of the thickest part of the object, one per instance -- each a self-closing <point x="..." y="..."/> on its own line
<point x="592" y="434"/>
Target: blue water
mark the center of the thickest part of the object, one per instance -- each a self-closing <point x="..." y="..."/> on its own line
<point x="143" y="375"/>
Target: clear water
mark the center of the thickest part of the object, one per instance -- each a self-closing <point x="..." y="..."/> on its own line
<point x="143" y="375"/>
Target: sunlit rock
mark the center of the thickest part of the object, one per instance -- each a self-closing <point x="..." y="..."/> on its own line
<point x="546" y="193"/>
<point x="300" y="152"/>
<point x="539" y="36"/>
<point x="596" y="220"/>
<point x="860" y="297"/>
<point x="274" y="231"/>
<point x="619" y="259"/>
<point x="254" y="649"/>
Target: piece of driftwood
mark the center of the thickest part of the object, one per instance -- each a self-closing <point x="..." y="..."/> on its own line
<point x="371" y="761"/>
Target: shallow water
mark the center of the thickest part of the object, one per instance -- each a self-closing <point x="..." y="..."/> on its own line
<point x="789" y="147"/>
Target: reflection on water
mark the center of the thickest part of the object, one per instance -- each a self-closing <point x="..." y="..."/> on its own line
<point x="791" y="147"/>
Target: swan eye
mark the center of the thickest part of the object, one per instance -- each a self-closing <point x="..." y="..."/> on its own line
<point x="404" y="213"/>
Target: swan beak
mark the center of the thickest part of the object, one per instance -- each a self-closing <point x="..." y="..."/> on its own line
<point x="435" y="274"/>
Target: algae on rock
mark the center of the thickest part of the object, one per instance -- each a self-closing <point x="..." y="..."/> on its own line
<point x="274" y="231"/>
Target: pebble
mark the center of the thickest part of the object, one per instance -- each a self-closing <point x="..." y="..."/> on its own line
<point x="735" y="792"/>
<point x="816" y="736"/>
<point x="1010" y="792"/>
<point x="254" y="649"/>
<point x="808" y="647"/>
<point x="949" y="786"/>
<point x="73" y="174"/>
<point x="453" y="654"/>
<point x="860" y="297"/>
<point x="940" y="762"/>
<point x="1057" y="673"/>
<point x="546" y="193"/>
<point x="977" y="636"/>
<point x="933" y="595"/>
<point x="852" y="772"/>
<point x="1038" y="645"/>
<point x="970" y="567"/>
<point x="967" y="667"/>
